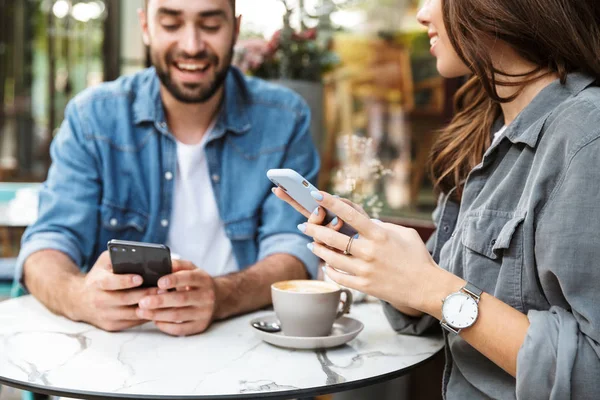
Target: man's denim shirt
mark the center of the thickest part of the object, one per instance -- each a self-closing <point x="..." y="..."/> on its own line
<point x="527" y="231"/>
<point x="114" y="162"/>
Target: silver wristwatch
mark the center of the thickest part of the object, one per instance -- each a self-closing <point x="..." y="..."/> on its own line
<point x="460" y="309"/>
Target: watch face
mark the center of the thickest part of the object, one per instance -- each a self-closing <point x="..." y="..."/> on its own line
<point x="459" y="310"/>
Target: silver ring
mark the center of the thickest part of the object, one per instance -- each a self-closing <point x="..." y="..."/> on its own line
<point x="348" y="247"/>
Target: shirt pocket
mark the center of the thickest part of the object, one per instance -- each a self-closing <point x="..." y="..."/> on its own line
<point x="121" y="223"/>
<point x="493" y="254"/>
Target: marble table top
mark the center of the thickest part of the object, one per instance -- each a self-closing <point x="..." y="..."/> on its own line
<point x="39" y="350"/>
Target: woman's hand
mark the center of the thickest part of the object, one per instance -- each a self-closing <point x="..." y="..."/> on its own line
<point x="318" y="215"/>
<point x="386" y="261"/>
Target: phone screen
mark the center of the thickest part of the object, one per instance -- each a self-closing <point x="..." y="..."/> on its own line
<point x="149" y="261"/>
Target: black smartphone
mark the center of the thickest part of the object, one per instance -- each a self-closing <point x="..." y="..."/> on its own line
<point x="150" y="261"/>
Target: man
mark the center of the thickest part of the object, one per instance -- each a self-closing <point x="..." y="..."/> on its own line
<point x="175" y="154"/>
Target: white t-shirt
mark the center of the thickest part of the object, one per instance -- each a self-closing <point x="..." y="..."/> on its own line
<point x="197" y="233"/>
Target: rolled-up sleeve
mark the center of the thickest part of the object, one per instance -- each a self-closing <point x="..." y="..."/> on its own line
<point x="404" y="324"/>
<point x="560" y="357"/>
<point x="46" y="241"/>
<point x="68" y="201"/>
<point x="292" y="244"/>
<point x="278" y="232"/>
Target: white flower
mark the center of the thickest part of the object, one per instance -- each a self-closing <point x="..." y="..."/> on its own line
<point x="359" y="173"/>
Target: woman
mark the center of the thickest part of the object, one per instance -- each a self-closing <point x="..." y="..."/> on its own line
<point x="512" y="271"/>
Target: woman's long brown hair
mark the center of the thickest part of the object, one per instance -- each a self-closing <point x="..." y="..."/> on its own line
<point x="559" y="36"/>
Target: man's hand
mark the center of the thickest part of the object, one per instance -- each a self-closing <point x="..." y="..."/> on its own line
<point x="189" y="309"/>
<point x="107" y="300"/>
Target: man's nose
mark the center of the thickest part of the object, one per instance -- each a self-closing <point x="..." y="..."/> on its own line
<point x="192" y="42"/>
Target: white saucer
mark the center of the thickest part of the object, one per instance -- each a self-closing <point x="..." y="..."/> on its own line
<point x="344" y="330"/>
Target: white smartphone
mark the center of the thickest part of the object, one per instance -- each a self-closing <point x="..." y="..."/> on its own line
<point x="299" y="188"/>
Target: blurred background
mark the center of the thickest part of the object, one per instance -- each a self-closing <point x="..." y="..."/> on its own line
<point x="363" y="66"/>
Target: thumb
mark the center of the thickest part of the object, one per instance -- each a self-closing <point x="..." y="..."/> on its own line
<point x="104" y="266"/>
<point x="181" y="265"/>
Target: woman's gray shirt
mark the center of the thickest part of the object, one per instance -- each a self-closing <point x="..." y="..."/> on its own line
<point x="528" y="232"/>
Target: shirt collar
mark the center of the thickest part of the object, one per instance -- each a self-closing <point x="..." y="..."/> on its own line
<point x="233" y="117"/>
<point x="527" y="127"/>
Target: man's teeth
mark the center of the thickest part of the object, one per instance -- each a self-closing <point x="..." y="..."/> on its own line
<point x="192" y="67"/>
<point x="434" y="40"/>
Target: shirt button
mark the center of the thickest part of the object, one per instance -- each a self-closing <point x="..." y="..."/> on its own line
<point x="164" y="223"/>
<point x="168" y="175"/>
<point x="493" y="242"/>
<point x="446" y="228"/>
<point x="113" y="222"/>
<point x="216" y="178"/>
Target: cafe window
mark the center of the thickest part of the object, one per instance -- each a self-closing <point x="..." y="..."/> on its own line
<point x="50" y="50"/>
<point x="362" y="65"/>
<point x="382" y="99"/>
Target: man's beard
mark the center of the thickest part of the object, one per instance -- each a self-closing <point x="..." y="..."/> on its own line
<point x="192" y="92"/>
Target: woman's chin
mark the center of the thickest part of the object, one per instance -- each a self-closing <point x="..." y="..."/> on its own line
<point x="451" y="70"/>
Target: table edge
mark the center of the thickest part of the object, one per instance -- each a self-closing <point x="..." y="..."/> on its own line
<point x="282" y="394"/>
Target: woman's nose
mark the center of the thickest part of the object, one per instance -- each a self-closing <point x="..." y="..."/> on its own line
<point x="423" y="16"/>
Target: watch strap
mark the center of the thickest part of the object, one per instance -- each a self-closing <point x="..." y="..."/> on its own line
<point x="472" y="290"/>
<point x="450" y="329"/>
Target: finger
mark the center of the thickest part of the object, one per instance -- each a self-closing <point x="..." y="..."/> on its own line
<point x="104" y="259"/>
<point x="350" y="281"/>
<point x="360" y="248"/>
<point x="110" y="281"/>
<point x="325" y="236"/>
<point x="182" y="265"/>
<point x="117" y="326"/>
<point x="105" y="266"/>
<point x="176" y="314"/>
<point x="181" y="298"/>
<point x="121" y="314"/>
<point x="336" y="224"/>
<point x="126" y="297"/>
<point x="350" y="265"/>
<point x="184" y="329"/>
<point x="303" y="227"/>
<point x="317" y="216"/>
<point x="363" y="225"/>
<point x="194" y="278"/>
<point x="285" y="197"/>
<point x="357" y="207"/>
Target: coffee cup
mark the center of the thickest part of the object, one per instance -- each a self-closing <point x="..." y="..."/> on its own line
<point x="309" y="308"/>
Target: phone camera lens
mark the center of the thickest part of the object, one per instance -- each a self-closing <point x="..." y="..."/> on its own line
<point x="114" y="249"/>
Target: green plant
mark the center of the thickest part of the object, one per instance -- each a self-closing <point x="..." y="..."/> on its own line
<point x="290" y="54"/>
